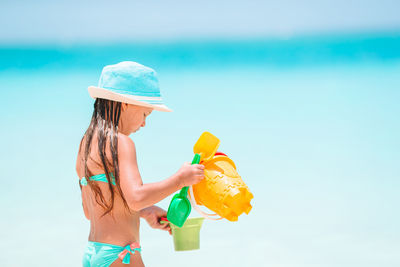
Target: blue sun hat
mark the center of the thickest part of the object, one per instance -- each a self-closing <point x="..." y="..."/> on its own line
<point x="130" y="82"/>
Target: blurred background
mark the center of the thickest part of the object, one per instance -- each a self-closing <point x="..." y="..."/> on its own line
<point x="304" y="96"/>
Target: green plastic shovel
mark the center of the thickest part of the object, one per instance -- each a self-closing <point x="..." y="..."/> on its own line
<point x="179" y="208"/>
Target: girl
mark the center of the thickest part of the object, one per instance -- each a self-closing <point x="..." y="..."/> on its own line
<point x="113" y="194"/>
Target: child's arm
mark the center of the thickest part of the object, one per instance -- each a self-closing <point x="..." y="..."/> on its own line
<point x="139" y="195"/>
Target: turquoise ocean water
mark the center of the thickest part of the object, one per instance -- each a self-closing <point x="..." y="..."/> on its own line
<point x="312" y="124"/>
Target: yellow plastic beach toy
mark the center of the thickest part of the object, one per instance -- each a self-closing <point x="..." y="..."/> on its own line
<point x="222" y="190"/>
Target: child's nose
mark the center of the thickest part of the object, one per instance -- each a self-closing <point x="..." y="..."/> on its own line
<point x="143" y="124"/>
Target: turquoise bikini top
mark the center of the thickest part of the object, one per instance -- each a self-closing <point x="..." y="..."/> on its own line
<point x="99" y="177"/>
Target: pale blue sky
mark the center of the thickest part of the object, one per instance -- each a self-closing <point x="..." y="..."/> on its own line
<point x="72" y="21"/>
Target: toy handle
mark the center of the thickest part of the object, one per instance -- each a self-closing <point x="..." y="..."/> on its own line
<point x="163" y="220"/>
<point x="196" y="159"/>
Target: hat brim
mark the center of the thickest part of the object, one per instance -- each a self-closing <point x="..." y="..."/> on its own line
<point x="97" y="92"/>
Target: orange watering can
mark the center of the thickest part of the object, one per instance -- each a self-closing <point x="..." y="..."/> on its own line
<point x="222" y="190"/>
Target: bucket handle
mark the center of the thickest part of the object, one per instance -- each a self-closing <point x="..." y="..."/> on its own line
<point x="204" y="214"/>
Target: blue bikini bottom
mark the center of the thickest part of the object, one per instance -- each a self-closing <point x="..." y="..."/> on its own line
<point x="103" y="255"/>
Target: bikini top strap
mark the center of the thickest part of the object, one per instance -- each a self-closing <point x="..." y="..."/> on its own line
<point x="83" y="181"/>
<point x="99" y="177"/>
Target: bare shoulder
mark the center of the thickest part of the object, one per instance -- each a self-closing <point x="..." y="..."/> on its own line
<point x="126" y="152"/>
<point x="127" y="161"/>
<point x="126" y="146"/>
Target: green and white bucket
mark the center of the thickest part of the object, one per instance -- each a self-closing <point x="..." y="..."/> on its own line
<point x="187" y="237"/>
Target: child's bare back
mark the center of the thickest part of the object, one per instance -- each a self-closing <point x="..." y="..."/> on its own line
<point x="119" y="226"/>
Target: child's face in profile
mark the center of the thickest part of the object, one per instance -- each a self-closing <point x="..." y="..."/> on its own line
<point x="133" y="117"/>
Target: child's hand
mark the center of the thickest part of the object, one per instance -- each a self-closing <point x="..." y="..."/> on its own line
<point x="191" y="174"/>
<point x="153" y="215"/>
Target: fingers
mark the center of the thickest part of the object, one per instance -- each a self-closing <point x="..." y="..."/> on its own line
<point x="191" y="174"/>
<point x="200" y="166"/>
<point x="165" y="227"/>
<point x="161" y="226"/>
<point x="199" y="169"/>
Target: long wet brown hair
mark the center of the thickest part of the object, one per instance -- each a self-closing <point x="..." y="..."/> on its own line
<point x="104" y="124"/>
